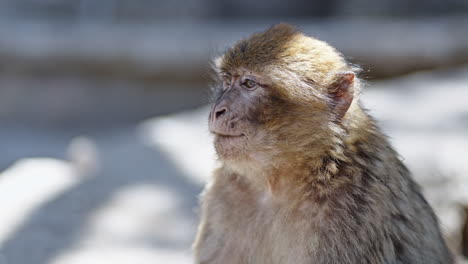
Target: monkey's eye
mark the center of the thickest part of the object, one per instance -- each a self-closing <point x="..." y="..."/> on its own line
<point x="249" y="83"/>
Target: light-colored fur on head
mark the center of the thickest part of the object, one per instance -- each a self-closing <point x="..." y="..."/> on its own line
<point x="289" y="58"/>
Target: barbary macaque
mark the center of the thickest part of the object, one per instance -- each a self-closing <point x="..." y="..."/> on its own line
<point x="306" y="175"/>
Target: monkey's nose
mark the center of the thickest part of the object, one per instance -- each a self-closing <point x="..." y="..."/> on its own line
<point x="219" y="112"/>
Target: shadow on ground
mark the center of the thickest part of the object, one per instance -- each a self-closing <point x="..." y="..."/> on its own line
<point x="60" y="223"/>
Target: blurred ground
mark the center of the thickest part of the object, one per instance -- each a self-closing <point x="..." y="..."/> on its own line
<point x="128" y="193"/>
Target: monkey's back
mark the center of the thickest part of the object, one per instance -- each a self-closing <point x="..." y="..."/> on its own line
<point x="381" y="216"/>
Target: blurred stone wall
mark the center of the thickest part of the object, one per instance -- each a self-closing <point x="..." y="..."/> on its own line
<point x="62" y="73"/>
<point x="108" y="61"/>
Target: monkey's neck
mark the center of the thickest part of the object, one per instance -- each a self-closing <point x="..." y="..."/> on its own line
<point x="319" y="166"/>
<point x="288" y="172"/>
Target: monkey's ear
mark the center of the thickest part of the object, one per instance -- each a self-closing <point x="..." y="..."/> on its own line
<point x="341" y="93"/>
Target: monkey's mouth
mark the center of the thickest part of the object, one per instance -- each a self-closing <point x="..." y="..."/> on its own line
<point x="224" y="137"/>
<point x="229" y="136"/>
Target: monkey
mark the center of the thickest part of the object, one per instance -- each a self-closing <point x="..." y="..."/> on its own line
<point x="306" y="175"/>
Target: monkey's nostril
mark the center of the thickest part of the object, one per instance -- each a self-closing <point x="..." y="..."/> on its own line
<point x="220" y="113"/>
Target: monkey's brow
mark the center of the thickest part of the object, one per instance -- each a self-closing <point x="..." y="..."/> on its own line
<point x="223" y="71"/>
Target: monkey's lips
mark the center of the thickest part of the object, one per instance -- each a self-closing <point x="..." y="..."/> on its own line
<point x="228" y="136"/>
<point x="223" y="134"/>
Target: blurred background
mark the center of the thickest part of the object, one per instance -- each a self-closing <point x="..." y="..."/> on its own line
<point x="103" y="113"/>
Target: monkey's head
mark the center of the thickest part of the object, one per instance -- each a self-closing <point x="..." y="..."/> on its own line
<point x="277" y="92"/>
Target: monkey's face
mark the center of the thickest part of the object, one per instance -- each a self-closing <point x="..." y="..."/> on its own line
<point x="237" y="115"/>
<point x="278" y="92"/>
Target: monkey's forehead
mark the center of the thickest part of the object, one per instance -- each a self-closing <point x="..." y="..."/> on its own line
<point x="260" y="49"/>
<point x="282" y="47"/>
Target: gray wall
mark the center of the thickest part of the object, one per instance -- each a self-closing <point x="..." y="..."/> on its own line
<point x="147" y="10"/>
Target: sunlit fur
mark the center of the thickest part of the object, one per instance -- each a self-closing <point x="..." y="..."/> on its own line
<point x="310" y="186"/>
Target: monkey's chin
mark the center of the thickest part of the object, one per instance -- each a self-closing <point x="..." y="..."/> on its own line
<point x="230" y="147"/>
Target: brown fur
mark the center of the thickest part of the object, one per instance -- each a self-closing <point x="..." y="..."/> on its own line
<point x="309" y="182"/>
